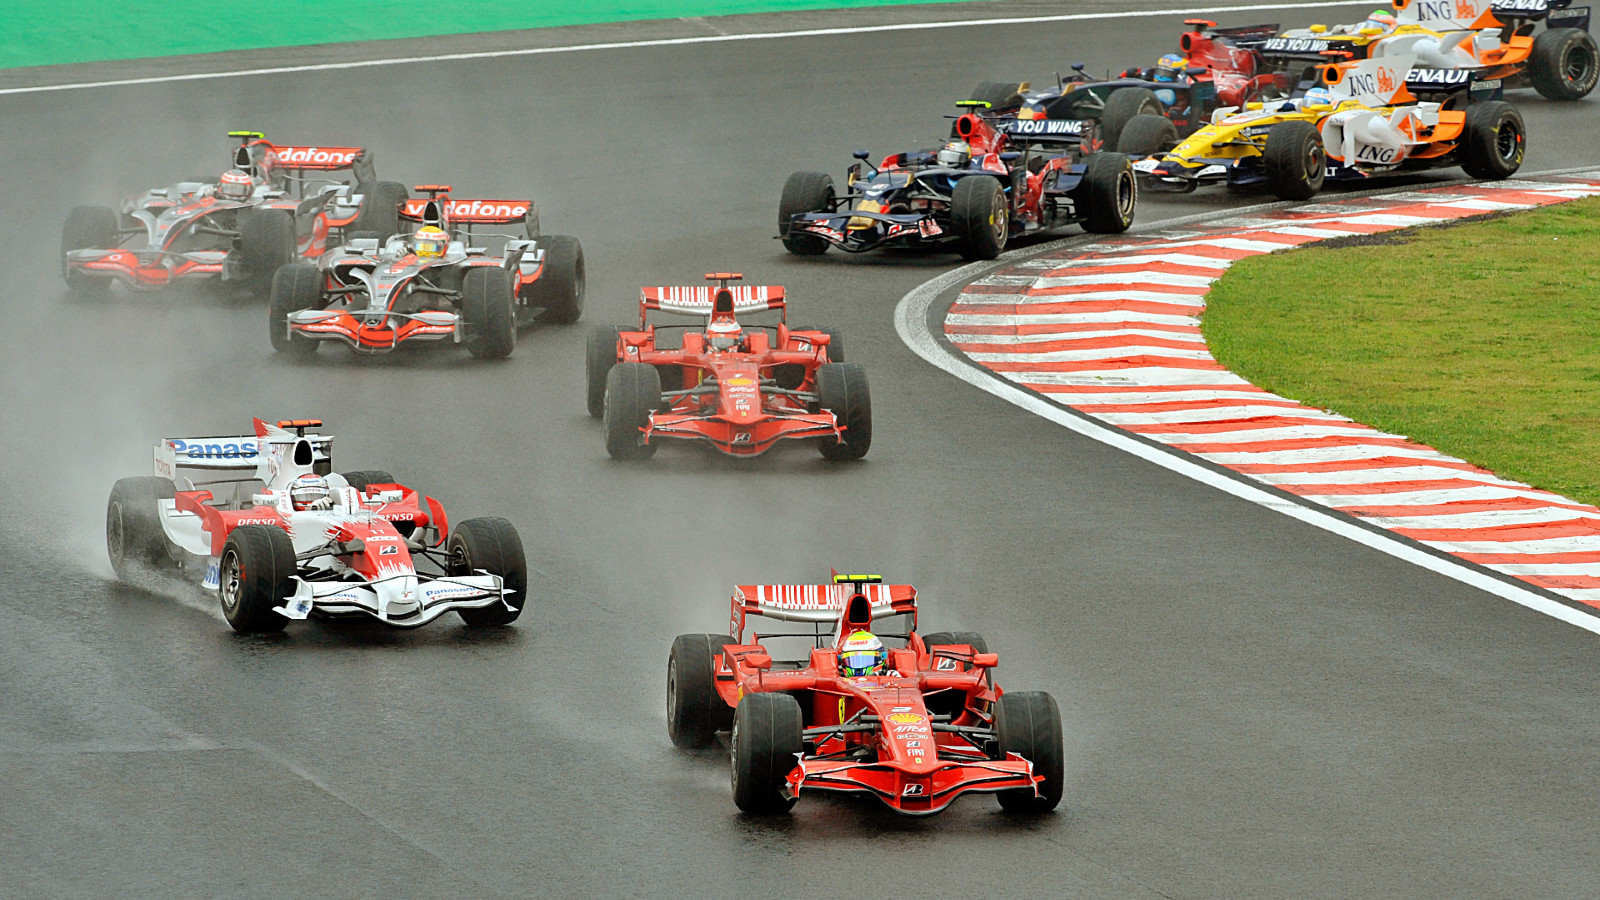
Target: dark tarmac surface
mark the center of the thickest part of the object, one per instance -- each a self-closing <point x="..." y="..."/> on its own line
<point x="1254" y="708"/>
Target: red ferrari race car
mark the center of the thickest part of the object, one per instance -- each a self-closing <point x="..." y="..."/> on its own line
<point x="916" y="724"/>
<point x="275" y="204"/>
<point x="741" y="387"/>
<point x="280" y="538"/>
<point x="432" y="283"/>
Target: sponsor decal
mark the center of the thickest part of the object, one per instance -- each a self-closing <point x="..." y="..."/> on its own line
<point x="914" y="729"/>
<point x="739" y="381"/>
<point x="898" y="709"/>
<point x="1293" y="45"/>
<point x="742" y="437"/>
<point x="331" y="156"/>
<point x="912" y="790"/>
<point x="929" y="228"/>
<point x="944" y="664"/>
<point x="474" y="209"/>
<point x="213" y="577"/>
<point x="906" y="719"/>
<point x="256" y="521"/>
<point x="389" y="550"/>
<point x="1376" y="154"/>
<point x="910" y="744"/>
<point x="1438" y="76"/>
<point x="227" y="450"/>
<point x="1044" y="126"/>
<point x="1519" y="5"/>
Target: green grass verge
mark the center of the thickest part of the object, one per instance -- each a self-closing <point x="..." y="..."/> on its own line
<point x="1480" y="339"/>
<point x="50" y="32"/>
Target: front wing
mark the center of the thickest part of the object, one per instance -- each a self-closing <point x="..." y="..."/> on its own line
<point x="886" y="228"/>
<point x="375" y="331"/>
<point x="743" y="438"/>
<point x="915" y="793"/>
<point x="402" y="600"/>
<point x="146" y="270"/>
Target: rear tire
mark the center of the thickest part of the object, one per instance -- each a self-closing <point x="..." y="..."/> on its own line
<point x="1294" y="160"/>
<point x="560" y="288"/>
<point x="804" y="192"/>
<point x="366" y="478"/>
<point x="633" y="390"/>
<point x="601" y="355"/>
<point x="380" y="209"/>
<point x="978" y="212"/>
<point x="835" y="342"/>
<point x="266" y="243"/>
<point x="1028" y="723"/>
<point x="1493" y="141"/>
<point x="695" y="711"/>
<point x="87" y="228"/>
<point x="295" y="287"/>
<point x="1121" y="108"/>
<point x="492" y="544"/>
<point x="1000" y="95"/>
<point x="766" y="743"/>
<point x="256" y="573"/>
<point x="1147" y="135"/>
<point x="842" y="389"/>
<point x="1564" y="64"/>
<point x="135" y="541"/>
<point x="1108" y="195"/>
<point x="488" y="302"/>
<point x="950" y="638"/>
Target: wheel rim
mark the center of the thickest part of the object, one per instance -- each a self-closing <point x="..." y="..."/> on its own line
<point x="232" y="581"/>
<point x="1125" y="195"/>
<point x="578" y="278"/>
<point x="672" y="693"/>
<point x="1577" y="68"/>
<point x="115" y="533"/>
<point x="1314" y="163"/>
<point x="1507" y="141"/>
<point x="1000" y="216"/>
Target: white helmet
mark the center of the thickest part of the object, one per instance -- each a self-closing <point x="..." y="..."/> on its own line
<point x="235" y="184"/>
<point x="955" y="154"/>
<point x="310" y="491"/>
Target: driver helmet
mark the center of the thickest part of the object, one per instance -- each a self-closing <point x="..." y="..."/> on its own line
<point x="235" y="184"/>
<point x="310" y="491"/>
<point x="1318" y="96"/>
<point x="431" y="242"/>
<point x="723" y="336"/>
<point x="1169" y="67"/>
<point x="955" y="154"/>
<point x="1380" y="18"/>
<point x="862" y="654"/>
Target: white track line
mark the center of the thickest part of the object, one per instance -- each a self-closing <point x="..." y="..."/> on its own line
<point x="668" y="42"/>
<point x="910" y="321"/>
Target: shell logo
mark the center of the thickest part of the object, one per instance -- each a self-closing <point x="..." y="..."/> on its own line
<point x="906" y="719"/>
<point x="1385" y="80"/>
<point x="739" y="381"/>
<point x="1466" y="10"/>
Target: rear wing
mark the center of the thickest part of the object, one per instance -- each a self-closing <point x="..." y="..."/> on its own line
<point x="1280" y="50"/>
<point x="698" y="300"/>
<point x="245" y="456"/>
<point x="818" y="603"/>
<point x="1373" y="82"/>
<point x="473" y="212"/>
<point x="1068" y="131"/>
<point x="319" y="159"/>
<point x="1438" y="84"/>
<point x="1240" y="35"/>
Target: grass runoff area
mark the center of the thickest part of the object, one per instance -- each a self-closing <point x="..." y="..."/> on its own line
<point x="1480" y="339"/>
<point x="50" y="32"/>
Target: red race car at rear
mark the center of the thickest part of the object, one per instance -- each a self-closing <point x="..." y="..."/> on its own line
<point x="873" y="706"/>
<point x="739" y="386"/>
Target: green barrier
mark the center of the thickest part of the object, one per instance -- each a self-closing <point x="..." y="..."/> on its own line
<point x="51" y="32"/>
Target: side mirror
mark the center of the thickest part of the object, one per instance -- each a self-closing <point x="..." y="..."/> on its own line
<point x="861" y="154"/>
<point x="1195" y="70"/>
<point x="1077" y="67"/>
<point x="761" y="661"/>
<point x="985" y="660"/>
<point x="1010" y="156"/>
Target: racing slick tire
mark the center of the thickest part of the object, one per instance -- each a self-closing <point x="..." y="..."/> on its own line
<point x="1108" y="195"/>
<point x="1000" y="95"/>
<point x="842" y="389"/>
<point x="367" y="478"/>
<point x="599" y="358"/>
<point x="492" y="544"/>
<point x="87" y="228"/>
<point x="295" y="287"/>
<point x="1294" y="160"/>
<point x="1121" y="108"/>
<point x="695" y="711"/>
<point x="560" y="289"/>
<point x="256" y="573"/>
<point x="488" y="302"/>
<point x="380" y="209"/>
<point x="949" y="638"/>
<point x="982" y="221"/>
<point x="767" y="739"/>
<point x="1493" y="141"/>
<point x="1564" y="64"/>
<point x="1146" y="135"/>
<point x="804" y="192"/>
<point x="266" y="243"/>
<point x="1028" y="723"/>
<point x="633" y="390"/>
<point x="135" y="540"/>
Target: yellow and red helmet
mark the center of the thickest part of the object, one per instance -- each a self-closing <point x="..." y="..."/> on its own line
<point x="431" y="242"/>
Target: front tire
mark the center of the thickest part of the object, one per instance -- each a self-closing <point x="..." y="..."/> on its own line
<point x="135" y="540"/>
<point x="1108" y="195"/>
<point x="1147" y="136"/>
<point x="488" y="302"/>
<point x="766" y="743"/>
<point x="1294" y="160"/>
<point x="695" y="711"/>
<point x="842" y="389"/>
<point x="1122" y="107"/>
<point x="1028" y="723"/>
<point x="256" y="574"/>
<point x="978" y="212"/>
<point x="559" y="289"/>
<point x="804" y="192"/>
<point x="87" y="228"/>
<point x="295" y="287"/>
<point x="633" y="390"/>
<point x="493" y="545"/>
<point x="600" y="356"/>
<point x="1564" y="64"/>
<point x="1493" y="141"/>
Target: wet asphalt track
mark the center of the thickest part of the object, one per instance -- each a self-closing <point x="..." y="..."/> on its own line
<point x="1254" y="708"/>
